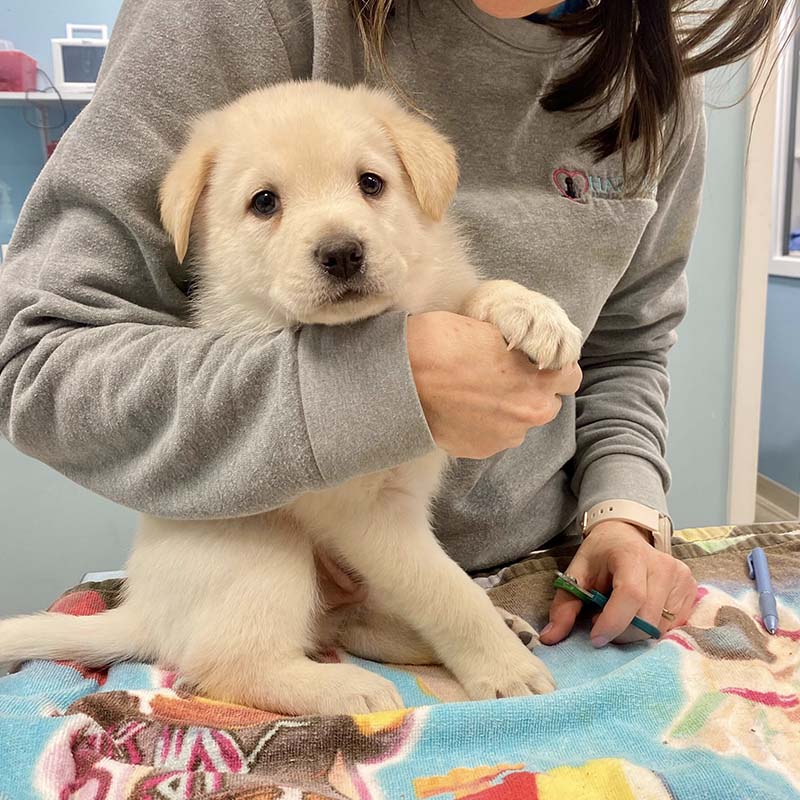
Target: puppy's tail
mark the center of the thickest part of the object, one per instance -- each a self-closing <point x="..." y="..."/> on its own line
<point x="93" y="641"/>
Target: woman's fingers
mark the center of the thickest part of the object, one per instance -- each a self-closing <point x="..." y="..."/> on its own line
<point x="563" y="611"/>
<point x="630" y="593"/>
<point x="685" y="594"/>
<point x="671" y="588"/>
<point x="565" y="607"/>
<point x="659" y="588"/>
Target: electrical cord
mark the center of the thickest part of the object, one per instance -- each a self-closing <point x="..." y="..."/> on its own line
<point x="31" y="102"/>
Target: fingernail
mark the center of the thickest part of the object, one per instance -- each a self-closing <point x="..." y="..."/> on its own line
<point x="599" y="641"/>
<point x="548" y="627"/>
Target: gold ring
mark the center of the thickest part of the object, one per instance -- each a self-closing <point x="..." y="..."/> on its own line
<point x="667" y="614"/>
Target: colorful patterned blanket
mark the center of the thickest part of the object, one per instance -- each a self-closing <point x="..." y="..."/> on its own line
<point x="711" y="711"/>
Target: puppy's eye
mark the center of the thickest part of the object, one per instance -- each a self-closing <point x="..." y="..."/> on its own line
<point x="265" y="204"/>
<point x="370" y="184"/>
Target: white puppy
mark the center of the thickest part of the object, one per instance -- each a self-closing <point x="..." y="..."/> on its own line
<point x="311" y="203"/>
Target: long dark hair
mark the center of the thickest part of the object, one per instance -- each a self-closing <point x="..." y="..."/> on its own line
<point x="636" y="53"/>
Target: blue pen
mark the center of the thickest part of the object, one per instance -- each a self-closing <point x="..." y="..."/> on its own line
<point x="757" y="564"/>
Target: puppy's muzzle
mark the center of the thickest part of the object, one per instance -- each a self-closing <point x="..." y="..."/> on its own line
<point x="340" y="258"/>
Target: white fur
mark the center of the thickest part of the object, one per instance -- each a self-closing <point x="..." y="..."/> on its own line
<point x="234" y="604"/>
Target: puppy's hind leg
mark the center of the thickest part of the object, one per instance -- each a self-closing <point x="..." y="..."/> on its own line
<point x="250" y="640"/>
<point x="402" y="563"/>
<point x="381" y="636"/>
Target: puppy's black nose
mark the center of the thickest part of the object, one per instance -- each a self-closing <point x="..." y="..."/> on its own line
<point x="340" y="258"/>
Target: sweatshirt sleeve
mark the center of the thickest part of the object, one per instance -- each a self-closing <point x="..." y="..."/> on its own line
<point x="621" y="405"/>
<point x="102" y="378"/>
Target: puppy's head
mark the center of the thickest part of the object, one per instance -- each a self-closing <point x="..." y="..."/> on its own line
<point x="307" y="203"/>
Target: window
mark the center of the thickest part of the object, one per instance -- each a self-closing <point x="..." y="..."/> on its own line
<point x="785" y="260"/>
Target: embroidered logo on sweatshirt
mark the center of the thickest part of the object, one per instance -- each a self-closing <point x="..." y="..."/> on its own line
<point x="579" y="186"/>
<point x="572" y="184"/>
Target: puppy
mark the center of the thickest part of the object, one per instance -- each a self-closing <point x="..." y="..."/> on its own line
<point x="315" y="204"/>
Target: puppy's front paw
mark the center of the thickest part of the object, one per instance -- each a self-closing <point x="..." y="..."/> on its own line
<point x="529" y="321"/>
<point x="518" y="676"/>
<point x="355" y="691"/>
<point x="540" y="328"/>
<point x="305" y="687"/>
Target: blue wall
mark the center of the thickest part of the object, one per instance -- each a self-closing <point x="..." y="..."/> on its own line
<point x="779" y="444"/>
<point x="51" y="531"/>
<point x="31" y="26"/>
<point x="701" y="365"/>
<point x="21" y="157"/>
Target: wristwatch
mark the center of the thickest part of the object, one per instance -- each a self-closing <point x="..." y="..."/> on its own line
<point x="658" y="525"/>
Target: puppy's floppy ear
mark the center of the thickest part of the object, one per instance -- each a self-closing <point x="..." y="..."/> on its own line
<point x="185" y="181"/>
<point x="428" y="158"/>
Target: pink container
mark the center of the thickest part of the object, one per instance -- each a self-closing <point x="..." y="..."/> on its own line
<point x="17" y="72"/>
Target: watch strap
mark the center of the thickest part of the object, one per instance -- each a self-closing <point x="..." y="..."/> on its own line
<point x="651" y="520"/>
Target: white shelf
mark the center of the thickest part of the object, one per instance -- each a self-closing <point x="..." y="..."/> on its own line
<point x="50" y="98"/>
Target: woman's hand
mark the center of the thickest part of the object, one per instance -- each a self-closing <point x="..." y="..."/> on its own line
<point x="478" y="397"/>
<point x="618" y="556"/>
<point x="338" y="586"/>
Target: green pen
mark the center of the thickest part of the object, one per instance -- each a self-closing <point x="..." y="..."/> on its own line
<point x="570" y="585"/>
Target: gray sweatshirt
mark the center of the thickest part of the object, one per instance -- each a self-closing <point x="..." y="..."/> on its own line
<point x="102" y="378"/>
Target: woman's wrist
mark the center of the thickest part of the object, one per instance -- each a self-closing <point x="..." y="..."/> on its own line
<point x="618" y="525"/>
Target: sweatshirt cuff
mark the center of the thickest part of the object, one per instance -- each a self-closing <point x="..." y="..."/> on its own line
<point x="621" y="477"/>
<point x="361" y="406"/>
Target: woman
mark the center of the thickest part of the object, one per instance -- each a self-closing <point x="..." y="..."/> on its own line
<point x="581" y="139"/>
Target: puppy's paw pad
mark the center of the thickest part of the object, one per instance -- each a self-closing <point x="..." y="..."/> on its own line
<point x="525" y="633"/>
